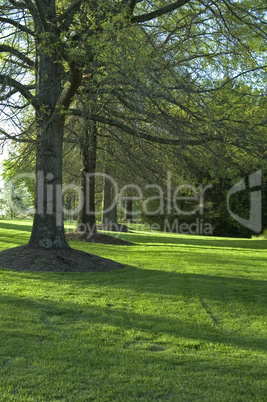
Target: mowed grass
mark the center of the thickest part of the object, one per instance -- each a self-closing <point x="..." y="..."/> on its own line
<point x="185" y="320"/>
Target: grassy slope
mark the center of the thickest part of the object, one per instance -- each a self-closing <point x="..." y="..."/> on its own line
<point x="184" y="321"/>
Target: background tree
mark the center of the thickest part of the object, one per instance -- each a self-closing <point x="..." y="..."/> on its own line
<point x="16" y="200"/>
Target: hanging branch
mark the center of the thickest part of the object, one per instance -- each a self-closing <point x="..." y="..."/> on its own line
<point x="159" y="12"/>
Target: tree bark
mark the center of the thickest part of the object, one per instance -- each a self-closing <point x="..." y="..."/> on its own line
<point x="129" y="210"/>
<point x="48" y="228"/>
<point x="86" y="217"/>
<point x="109" y="218"/>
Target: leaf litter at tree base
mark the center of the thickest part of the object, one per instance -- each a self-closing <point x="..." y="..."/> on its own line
<point x="29" y="258"/>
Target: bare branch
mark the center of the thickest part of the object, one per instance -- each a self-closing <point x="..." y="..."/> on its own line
<point x="13" y="92"/>
<point x="17" y="25"/>
<point x="17" y="53"/>
<point x="33" y="11"/>
<point x="140" y="134"/>
<point x="160" y="11"/>
<point x="8" y="95"/>
<point x="22" y="89"/>
<point x="17" y="4"/>
<point x="14" y="137"/>
<point x="257" y="29"/>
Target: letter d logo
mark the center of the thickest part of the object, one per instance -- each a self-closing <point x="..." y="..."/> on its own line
<point x="254" y="222"/>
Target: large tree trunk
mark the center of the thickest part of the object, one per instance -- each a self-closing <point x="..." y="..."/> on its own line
<point x="86" y="217"/>
<point x="48" y="229"/>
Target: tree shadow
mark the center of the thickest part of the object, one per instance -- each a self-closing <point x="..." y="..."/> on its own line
<point x="56" y="338"/>
<point x="169" y="239"/>
<point x="53" y="315"/>
<point x="15" y="226"/>
<point x="211" y="242"/>
<point x="217" y="297"/>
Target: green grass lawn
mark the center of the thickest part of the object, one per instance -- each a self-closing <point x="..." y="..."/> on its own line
<point x="185" y="320"/>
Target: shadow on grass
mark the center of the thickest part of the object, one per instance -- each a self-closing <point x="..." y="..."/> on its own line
<point x="215" y="242"/>
<point x="210" y="242"/>
<point x="56" y="316"/>
<point x="216" y="297"/>
<point x="16" y="226"/>
<point x="213" y="288"/>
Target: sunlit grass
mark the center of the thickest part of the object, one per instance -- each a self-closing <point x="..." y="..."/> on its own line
<point x="185" y="320"/>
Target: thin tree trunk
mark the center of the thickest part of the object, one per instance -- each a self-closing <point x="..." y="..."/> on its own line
<point x="88" y="145"/>
<point x="129" y="210"/>
<point x="109" y="218"/>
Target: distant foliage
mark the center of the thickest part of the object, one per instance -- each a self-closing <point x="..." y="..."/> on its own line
<point x="16" y="200"/>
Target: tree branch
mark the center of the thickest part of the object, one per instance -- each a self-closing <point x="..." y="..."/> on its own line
<point x="33" y="11"/>
<point x="140" y="134"/>
<point x="17" y="53"/>
<point x="131" y="4"/>
<point x="70" y="88"/>
<point x="17" y="5"/>
<point x="13" y="137"/>
<point x="17" y="25"/>
<point x="160" y="11"/>
<point x="41" y="11"/>
<point x="68" y="14"/>
<point x="22" y="89"/>
<point x="8" y="95"/>
<point x="13" y="92"/>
